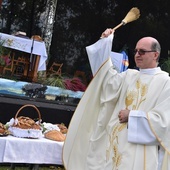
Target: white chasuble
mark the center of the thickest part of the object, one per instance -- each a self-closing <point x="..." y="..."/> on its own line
<point x="97" y="141"/>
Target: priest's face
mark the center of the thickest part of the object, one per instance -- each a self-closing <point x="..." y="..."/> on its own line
<point x="145" y="57"/>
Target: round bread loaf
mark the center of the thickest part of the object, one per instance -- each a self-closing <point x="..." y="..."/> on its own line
<point x="2" y="129"/>
<point x="63" y="128"/>
<point x="55" y="135"/>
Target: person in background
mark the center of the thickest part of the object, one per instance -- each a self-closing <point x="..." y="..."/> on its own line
<point x="123" y="120"/>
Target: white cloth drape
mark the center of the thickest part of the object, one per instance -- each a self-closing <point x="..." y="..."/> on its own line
<point x="26" y="45"/>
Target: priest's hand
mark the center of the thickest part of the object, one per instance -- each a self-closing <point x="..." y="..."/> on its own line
<point x="123" y="116"/>
<point x="107" y="32"/>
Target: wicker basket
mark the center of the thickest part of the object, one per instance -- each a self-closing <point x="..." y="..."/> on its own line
<point x="25" y="127"/>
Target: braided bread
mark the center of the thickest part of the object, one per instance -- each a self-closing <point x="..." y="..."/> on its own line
<point x="26" y="123"/>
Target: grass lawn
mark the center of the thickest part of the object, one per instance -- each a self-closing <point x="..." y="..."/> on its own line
<point x="28" y="167"/>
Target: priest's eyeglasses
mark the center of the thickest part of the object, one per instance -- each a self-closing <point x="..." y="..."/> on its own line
<point x="142" y="52"/>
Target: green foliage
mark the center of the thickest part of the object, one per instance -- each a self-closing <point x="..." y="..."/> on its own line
<point x="2" y="61"/>
<point x="74" y="84"/>
<point x="54" y="80"/>
<point x="165" y="65"/>
<point x="80" y="23"/>
<point x="23" y="15"/>
<point x="2" y="49"/>
<point x="24" y="167"/>
<point x="4" y="55"/>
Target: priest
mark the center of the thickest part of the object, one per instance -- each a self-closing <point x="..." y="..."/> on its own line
<point x="123" y="119"/>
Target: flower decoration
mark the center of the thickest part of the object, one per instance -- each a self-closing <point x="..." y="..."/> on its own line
<point x="4" y="55"/>
<point x="5" y="60"/>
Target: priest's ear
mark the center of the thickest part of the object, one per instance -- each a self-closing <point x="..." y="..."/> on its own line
<point x="157" y="56"/>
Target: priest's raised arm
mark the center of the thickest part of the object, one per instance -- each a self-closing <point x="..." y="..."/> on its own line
<point x="100" y="51"/>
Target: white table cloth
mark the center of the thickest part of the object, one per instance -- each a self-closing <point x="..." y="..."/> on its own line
<point x="34" y="151"/>
<point x="25" y="45"/>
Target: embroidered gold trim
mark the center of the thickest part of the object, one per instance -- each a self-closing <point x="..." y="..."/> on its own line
<point x="134" y="98"/>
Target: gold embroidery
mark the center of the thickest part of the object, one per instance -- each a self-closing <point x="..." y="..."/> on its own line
<point x="129" y="99"/>
<point x="114" y="133"/>
<point x="141" y="94"/>
<point x="134" y="99"/>
<point x="113" y="139"/>
<point x="122" y="126"/>
<point x="143" y="90"/>
<point x="136" y="96"/>
<point x="117" y="157"/>
<point x="138" y="84"/>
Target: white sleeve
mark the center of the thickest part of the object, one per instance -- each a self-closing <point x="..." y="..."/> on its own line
<point x="99" y="52"/>
<point x="139" y="130"/>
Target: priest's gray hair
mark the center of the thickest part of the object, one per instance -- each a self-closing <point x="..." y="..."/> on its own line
<point x="156" y="47"/>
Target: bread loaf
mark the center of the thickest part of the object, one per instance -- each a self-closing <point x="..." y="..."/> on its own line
<point x="55" y="135"/>
<point x="63" y="128"/>
<point x="2" y="129"/>
<point x="26" y="123"/>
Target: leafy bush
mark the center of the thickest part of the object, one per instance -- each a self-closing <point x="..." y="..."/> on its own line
<point x="74" y="84"/>
<point x="54" y="80"/>
<point x="165" y="65"/>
